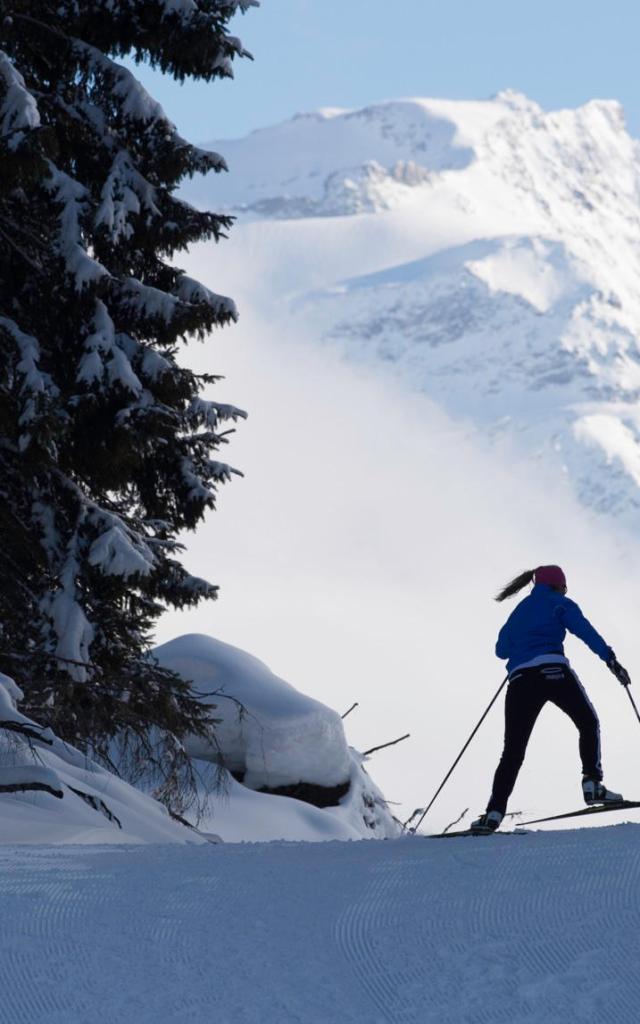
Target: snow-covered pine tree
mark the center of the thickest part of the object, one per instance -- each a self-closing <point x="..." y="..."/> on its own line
<point x="105" y="441"/>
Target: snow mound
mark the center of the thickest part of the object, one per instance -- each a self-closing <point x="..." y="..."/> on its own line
<point x="267" y="730"/>
<point x="271" y="737"/>
<point x="51" y="793"/>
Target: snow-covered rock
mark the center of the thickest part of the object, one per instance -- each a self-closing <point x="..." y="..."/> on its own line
<point x="51" y="793"/>
<point x="267" y="731"/>
<point x="272" y="739"/>
<point x="487" y="252"/>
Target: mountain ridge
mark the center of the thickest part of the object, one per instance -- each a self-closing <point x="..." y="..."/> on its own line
<point x="492" y="258"/>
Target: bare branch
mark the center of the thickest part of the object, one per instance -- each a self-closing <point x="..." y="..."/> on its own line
<point x="383" y="745"/>
<point x="415" y="814"/>
<point x="350" y="710"/>
<point x="458" y="819"/>
<point x="97" y="804"/>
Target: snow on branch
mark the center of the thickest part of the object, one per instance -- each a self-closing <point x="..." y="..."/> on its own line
<point x="12" y="688"/>
<point x="200" y="587"/>
<point x="104" y="352"/>
<point x="135" y="102"/>
<point x="29" y="732"/>
<point x="28" y="778"/>
<point x="100" y="342"/>
<point x="12" y="720"/>
<point x="117" y="552"/>
<point x="34" y="380"/>
<point x="210" y="414"/>
<point x="192" y="291"/>
<point x="72" y="630"/>
<point x="124" y="192"/>
<point x="72" y="196"/>
<point x="185" y="9"/>
<point x="146" y="404"/>
<point x="153" y="365"/>
<point x="18" y="110"/>
<point x="203" y="160"/>
<point x="120" y="372"/>
<point x="221" y="472"/>
<point x="198" y="489"/>
<point x="35" y="383"/>
<point x="147" y="301"/>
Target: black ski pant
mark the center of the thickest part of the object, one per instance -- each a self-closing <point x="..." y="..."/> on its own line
<point x="528" y="691"/>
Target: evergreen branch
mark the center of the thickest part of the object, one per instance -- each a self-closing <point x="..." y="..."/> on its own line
<point x="27" y="787"/>
<point x="45" y="26"/>
<point x="97" y="804"/>
<point x="17" y="249"/>
<point x="25" y="730"/>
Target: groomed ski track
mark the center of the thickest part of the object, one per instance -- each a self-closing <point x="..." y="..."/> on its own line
<point x="540" y="928"/>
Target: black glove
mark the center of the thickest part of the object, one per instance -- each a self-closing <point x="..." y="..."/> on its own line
<point x="619" y="672"/>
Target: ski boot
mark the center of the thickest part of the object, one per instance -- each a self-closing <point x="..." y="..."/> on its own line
<point x="595" y="792"/>
<point x="486" y="823"/>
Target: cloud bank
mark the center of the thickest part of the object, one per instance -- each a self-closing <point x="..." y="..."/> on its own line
<point x="359" y="557"/>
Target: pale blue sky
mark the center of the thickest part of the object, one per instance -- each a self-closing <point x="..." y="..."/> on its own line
<point x="347" y="53"/>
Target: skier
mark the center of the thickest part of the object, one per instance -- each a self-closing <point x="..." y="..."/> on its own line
<point x="532" y="642"/>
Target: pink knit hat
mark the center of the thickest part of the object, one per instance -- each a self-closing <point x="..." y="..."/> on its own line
<point x="552" y="575"/>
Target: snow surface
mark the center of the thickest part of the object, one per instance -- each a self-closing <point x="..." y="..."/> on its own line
<point x="536" y="929"/>
<point x="488" y="253"/>
<point x="270" y="735"/>
<point x="90" y="805"/>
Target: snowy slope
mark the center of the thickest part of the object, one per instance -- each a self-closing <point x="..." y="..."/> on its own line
<point x="488" y="252"/>
<point x="537" y="929"/>
<point x="77" y="801"/>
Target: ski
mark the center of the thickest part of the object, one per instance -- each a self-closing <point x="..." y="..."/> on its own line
<point x="620" y="806"/>
<point x="468" y="832"/>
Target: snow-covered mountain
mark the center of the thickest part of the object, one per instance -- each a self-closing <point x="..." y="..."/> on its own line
<point x="488" y="252"/>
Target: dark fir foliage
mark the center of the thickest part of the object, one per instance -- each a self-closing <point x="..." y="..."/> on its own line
<point x="105" y="443"/>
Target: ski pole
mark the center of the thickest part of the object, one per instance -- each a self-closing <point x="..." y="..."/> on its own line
<point x="450" y="772"/>
<point x="633" y="703"/>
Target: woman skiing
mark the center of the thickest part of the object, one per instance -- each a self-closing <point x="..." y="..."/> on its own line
<point x="532" y="642"/>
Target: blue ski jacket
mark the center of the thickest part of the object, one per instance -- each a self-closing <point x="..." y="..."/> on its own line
<point x="538" y="626"/>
